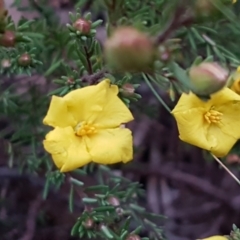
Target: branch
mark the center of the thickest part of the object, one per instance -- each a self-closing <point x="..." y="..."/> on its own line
<point x="190" y="180"/>
<point x="179" y="20"/>
<point x="93" y="78"/>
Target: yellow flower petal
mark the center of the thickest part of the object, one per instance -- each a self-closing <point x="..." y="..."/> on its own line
<point x="68" y="151"/>
<point x="189" y="101"/>
<point x="193" y="128"/>
<point x="58" y="114"/>
<point x="223" y="142"/>
<point x="111" y="146"/>
<point x="114" y="112"/>
<point x="230" y="123"/>
<point x="86" y="103"/>
<point x="214" y="238"/>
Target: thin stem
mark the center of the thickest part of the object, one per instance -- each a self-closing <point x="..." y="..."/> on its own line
<point x="156" y="94"/>
<point x="90" y="70"/>
<point x="228" y="171"/>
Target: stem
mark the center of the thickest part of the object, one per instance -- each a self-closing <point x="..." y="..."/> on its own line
<point x="156" y="94"/>
<point x="228" y="171"/>
<point x="90" y="71"/>
<point x="178" y="21"/>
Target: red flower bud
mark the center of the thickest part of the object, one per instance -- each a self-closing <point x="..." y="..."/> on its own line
<point x="129" y="50"/>
<point x="82" y="26"/>
<point x="8" y="39"/>
<point x="25" y="60"/>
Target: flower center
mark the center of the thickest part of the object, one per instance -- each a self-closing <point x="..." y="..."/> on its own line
<point x="213" y="116"/>
<point x="85" y="129"/>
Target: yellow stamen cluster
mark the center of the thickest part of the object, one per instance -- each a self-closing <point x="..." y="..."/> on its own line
<point x="85" y="129"/>
<point x="213" y="116"/>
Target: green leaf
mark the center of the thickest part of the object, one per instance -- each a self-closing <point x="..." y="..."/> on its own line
<point x="53" y="67"/>
<point x="75" y="228"/>
<point x="180" y="74"/>
<point x="76" y="182"/>
<point x="106" y="232"/>
<point x="71" y="193"/>
<point x="89" y="200"/>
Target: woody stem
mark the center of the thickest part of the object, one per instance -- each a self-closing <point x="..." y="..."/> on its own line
<point x="228" y="171"/>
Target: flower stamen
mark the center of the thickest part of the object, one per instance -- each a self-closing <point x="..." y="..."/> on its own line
<point x="84" y="128"/>
<point x="213" y="116"/>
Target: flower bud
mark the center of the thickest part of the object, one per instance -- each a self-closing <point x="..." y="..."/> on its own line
<point x="128" y="89"/>
<point x="232" y="158"/>
<point x="6" y="63"/>
<point x="114" y="201"/>
<point x="207" y="78"/>
<point x="25" y="60"/>
<point x="164" y="53"/>
<point x="129" y="50"/>
<point x="8" y="39"/>
<point x="133" y="237"/>
<point x="204" y="8"/>
<point x="82" y="26"/>
<point x="88" y="224"/>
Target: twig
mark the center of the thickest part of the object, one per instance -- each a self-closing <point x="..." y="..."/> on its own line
<point x="178" y="21"/>
<point x="31" y="219"/>
<point x="90" y="70"/>
<point x="228" y="171"/>
<point x="93" y="79"/>
<point x="176" y="175"/>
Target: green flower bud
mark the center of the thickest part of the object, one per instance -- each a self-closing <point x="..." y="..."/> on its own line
<point x="129" y="50"/>
<point x="207" y="78"/>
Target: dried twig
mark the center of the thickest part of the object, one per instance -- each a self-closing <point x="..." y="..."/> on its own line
<point x="31" y="219"/>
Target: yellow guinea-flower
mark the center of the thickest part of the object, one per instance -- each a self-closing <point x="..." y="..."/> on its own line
<point x="215" y="238"/>
<point x="212" y="125"/>
<point x="88" y="127"/>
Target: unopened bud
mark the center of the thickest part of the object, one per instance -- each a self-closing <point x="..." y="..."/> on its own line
<point x="133" y="237"/>
<point x="164" y="53"/>
<point x="70" y="81"/>
<point x="6" y="63"/>
<point x="204" y="8"/>
<point x="129" y="50"/>
<point x="25" y="60"/>
<point x="114" y="201"/>
<point x="119" y="211"/>
<point x="232" y="158"/>
<point x="8" y="39"/>
<point x="128" y="89"/>
<point x="82" y="26"/>
<point x="88" y="224"/>
<point x="207" y="78"/>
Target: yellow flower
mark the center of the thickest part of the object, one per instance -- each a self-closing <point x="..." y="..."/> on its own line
<point x="234" y="1"/>
<point x="213" y="125"/>
<point x="215" y="238"/>
<point x="87" y="127"/>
